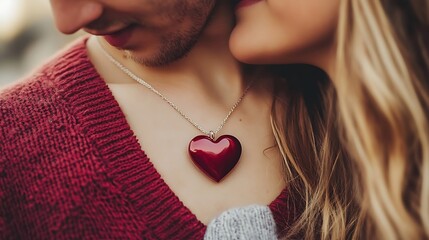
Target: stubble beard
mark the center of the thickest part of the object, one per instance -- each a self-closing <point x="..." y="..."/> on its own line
<point x="172" y="48"/>
<point x="176" y="45"/>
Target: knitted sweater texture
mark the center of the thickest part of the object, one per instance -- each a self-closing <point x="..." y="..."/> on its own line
<point x="71" y="168"/>
<point x="251" y="222"/>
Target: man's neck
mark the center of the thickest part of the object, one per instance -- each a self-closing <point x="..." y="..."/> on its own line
<point x="208" y="67"/>
<point x="210" y="60"/>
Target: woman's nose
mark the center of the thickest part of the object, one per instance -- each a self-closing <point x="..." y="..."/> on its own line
<point x="72" y="15"/>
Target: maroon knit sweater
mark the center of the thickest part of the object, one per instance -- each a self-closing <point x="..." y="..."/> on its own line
<point x="71" y="168"/>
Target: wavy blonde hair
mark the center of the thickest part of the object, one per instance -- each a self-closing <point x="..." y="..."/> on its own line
<point x="357" y="146"/>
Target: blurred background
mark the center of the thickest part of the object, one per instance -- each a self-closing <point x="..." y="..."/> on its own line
<point x="27" y="37"/>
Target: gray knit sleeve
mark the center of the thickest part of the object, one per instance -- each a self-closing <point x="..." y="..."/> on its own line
<point x="251" y="223"/>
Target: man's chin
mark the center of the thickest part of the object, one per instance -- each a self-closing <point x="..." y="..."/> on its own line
<point x="161" y="57"/>
<point x="152" y="60"/>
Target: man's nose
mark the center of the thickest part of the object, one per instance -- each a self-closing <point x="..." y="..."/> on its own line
<point x="72" y="15"/>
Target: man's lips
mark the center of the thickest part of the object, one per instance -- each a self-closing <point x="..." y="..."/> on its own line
<point x="109" y="31"/>
<point x="116" y="37"/>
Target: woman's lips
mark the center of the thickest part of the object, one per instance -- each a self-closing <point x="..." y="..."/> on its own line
<point x="119" y="38"/>
<point x="245" y="3"/>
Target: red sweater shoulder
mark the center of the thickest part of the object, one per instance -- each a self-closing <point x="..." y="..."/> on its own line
<point x="31" y="108"/>
<point x="53" y="184"/>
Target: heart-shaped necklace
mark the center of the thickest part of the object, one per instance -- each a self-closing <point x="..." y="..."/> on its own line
<point x="215" y="157"/>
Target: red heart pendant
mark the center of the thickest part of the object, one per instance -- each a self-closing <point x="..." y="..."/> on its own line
<point x="215" y="158"/>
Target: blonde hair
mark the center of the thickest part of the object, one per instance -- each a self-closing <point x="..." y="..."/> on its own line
<point x="357" y="147"/>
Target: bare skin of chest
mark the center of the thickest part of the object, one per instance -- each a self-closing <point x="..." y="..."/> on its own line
<point x="164" y="135"/>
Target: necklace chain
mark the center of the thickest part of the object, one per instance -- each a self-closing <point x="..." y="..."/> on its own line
<point x="127" y="71"/>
